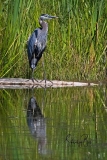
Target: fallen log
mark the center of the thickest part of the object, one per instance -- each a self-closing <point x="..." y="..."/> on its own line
<point x="28" y="83"/>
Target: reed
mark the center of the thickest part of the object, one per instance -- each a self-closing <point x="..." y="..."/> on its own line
<point x="76" y="46"/>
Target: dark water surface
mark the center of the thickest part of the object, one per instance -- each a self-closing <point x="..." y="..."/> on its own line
<point x="54" y="124"/>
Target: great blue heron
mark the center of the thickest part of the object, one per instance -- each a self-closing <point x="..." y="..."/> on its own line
<point x="37" y="42"/>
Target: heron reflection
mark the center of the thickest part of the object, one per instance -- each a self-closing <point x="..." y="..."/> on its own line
<point x="37" y="125"/>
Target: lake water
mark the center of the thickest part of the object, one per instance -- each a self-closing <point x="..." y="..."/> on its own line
<point x="53" y="123"/>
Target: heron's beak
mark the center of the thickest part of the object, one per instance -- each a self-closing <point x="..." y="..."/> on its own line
<point x="50" y="17"/>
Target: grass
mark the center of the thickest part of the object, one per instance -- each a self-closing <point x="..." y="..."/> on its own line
<point x="76" y="48"/>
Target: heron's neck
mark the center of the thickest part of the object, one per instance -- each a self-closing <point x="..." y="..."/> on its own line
<point x="44" y="25"/>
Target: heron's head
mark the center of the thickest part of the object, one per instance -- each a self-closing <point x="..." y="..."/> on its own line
<point x="46" y="16"/>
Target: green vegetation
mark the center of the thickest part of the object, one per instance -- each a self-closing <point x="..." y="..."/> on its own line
<point x="76" y="46"/>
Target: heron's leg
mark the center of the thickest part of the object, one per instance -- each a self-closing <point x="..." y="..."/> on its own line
<point x="33" y="75"/>
<point x="33" y="79"/>
<point x="43" y="65"/>
<point x="44" y="73"/>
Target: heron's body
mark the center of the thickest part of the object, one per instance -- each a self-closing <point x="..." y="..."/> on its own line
<point x="37" y="44"/>
<point x="37" y="41"/>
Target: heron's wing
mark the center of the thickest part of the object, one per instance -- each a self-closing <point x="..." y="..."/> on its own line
<point x="37" y="42"/>
<point x="31" y="45"/>
<point x="41" y="40"/>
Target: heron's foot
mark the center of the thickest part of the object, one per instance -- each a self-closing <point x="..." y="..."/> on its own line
<point x="51" y="82"/>
<point x="45" y="81"/>
<point x="27" y="80"/>
<point x="33" y="80"/>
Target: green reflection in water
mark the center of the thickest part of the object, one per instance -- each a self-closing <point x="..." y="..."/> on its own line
<point x="75" y="124"/>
